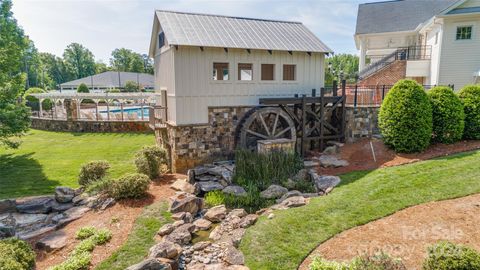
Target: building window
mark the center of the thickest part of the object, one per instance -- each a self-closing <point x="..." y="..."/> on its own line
<point x="289" y="72"/>
<point x="464" y="32"/>
<point x="245" y="72"/>
<point x="220" y="71"/>
<point x="268" y="73"/>
<point x="161" y="40"/>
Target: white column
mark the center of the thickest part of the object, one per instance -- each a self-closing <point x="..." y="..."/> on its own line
<point x="363" y="54"/>
<point x="40" y="109"/>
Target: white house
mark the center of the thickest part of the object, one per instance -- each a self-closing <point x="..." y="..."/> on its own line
<point x="210" y="68"/>
<point x="436" y="42"/>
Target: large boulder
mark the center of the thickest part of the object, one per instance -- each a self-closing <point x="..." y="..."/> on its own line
<point x="248" y="220"/>
<point x="7" y="206"/>
<point x="233" y="256"/>
<point x="289" y="194"/>
<point x="184" y="186"/>
<point x="35" y="205"/>
<point x="185" y="216"/>
<point x="179" y="236"/>
<point x="332" y="161"/>
<point x="207" y="186"/>
<point x="165" y="249"/>
<point x="150" y="264"/>
<point x="296" y="201"/>
<point x="53" y="241"/>
<point x="324" y="183"/>
<point x="235" y="190"/>
<point x="239" y="212"/>
<point x="64" y="194"/>
<point x="184" y="202"/>
<point x="166" y="229"/>
<point x="273" y="192"/>
<point x="202" y="224"/>
<point x="217" y="213"/>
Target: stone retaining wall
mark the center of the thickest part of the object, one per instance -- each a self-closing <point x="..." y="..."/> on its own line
<point x="189" y="146"/>
<point x="362" y="122"/>
<point x="90" y="126"/>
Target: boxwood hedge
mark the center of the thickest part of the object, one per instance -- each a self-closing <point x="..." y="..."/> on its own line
<point x="470" y="97"/>
<point x="405" y="118"/>
<point x="448" y="115"/>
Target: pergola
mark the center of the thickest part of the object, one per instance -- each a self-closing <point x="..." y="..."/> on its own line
<point x="140" y="98"/>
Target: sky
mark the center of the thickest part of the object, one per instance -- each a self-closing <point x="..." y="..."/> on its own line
<point x="104" y="25"/>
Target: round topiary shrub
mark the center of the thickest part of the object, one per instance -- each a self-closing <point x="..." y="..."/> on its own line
<point x="93" y="171"/>
<point x="83" y="88"/>
<point x="448" y="115"/>
<point x="16" y="255"/>
<point x="470" y="97"/>
<point x="405" y="118"/>
<point x="448" y="256"/>
<point x="149" y="160"/>
<point x="132" y="186"/>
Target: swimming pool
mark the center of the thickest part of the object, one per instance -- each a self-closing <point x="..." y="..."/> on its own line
<point x="130" y="111"/>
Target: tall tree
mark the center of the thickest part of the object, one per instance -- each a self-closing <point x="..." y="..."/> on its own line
<point x="346" y="64"/>
<point x="79" y="60"/>
<point x="100" y="67"/>
<point x="128" y="60"/>
<point x="55" y="69"/>
<point x="14" y="116"/>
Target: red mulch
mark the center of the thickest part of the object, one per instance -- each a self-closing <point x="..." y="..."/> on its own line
<point x="360" y="157"/>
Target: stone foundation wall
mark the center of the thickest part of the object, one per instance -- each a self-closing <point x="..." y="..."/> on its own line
<point x="189" y="146"/>
<point x="90" y="126"/>
<point x="361" y="122"/>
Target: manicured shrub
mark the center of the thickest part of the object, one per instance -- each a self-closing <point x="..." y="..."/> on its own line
<point x="448" y="115"/>
<point x="16" y="255"/>
<point x="470" y="97"/>
<point x="83" y="88"/>
<point x="99" y="186"/>
<point x="33" y="102"/>
<point x="405" y="118"/>
<point x="85" y="232"/>
<point x="93" y="171"/>
<point x="80" y="261"/>
<point x="449" y="256"/>
<point x="149" y="160"/>
<point x="379" y="261"/>
<point x="133" y="185"/>
<point x="322" y="264"/>
<point x="262" y="170"/>
<point x="87" y="245"/>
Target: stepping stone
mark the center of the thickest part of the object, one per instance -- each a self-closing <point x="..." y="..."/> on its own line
<point x="51" y="242"/>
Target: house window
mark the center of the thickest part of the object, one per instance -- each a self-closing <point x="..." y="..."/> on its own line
<point x="268" y="72"/>
<point x="220" y="71"/>
<point x="464" y="32"/>
<point x="161" y="40"/>
<point x="289" y="72"/>
<point x="245" y="72"/>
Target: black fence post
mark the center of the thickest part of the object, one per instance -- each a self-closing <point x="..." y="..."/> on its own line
<point x="335" y="89"/>
<point x="355" y="97"/>
<point x="383" y="92"/>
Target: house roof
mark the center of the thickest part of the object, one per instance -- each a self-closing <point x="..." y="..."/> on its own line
<point x="194" y="29"/>
<point x="397" y="16"/>
<point x="110" y="79"/>
<point x="464" y="10"/>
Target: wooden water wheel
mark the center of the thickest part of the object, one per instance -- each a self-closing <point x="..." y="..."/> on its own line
<point x="267" y="123"/>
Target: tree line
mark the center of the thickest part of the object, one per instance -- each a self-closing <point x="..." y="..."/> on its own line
<point x="47" y="71"/>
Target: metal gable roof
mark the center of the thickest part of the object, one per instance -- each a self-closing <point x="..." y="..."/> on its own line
<point x="193" y="29"/>
<point x="396" y="16"/>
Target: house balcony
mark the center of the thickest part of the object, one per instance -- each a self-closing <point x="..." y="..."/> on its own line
<point x="157" y="117"/>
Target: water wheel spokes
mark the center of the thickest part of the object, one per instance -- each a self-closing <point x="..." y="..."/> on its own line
<point x="266" y="123"/>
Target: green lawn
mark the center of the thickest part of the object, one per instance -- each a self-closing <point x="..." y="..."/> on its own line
<point x="49" y="159"/>
<point x="140" y="239"/>
<point x="284" y="241"/>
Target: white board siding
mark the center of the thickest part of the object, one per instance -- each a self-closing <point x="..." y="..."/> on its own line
<point x="195" y="90"/>
<point x="459" y="58"/>
<point x="165" y="78"/>
<point x="432" y="78"/>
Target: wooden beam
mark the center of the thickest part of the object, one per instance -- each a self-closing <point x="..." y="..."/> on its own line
<point x="290" y="52"/>
<point x="270" y="52"/>
<point x="176" y="47"/>
<point x="226" y="50"/>
<point x="201" y="48"/>
<point x="248" y="51"/>
<point x="309" y="53"/>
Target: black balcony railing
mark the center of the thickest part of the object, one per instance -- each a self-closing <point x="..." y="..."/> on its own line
<point x="406" y="53"/>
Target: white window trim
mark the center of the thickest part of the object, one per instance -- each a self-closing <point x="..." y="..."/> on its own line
<point x="230" y="70"/>
<point x="468" y="24"/>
